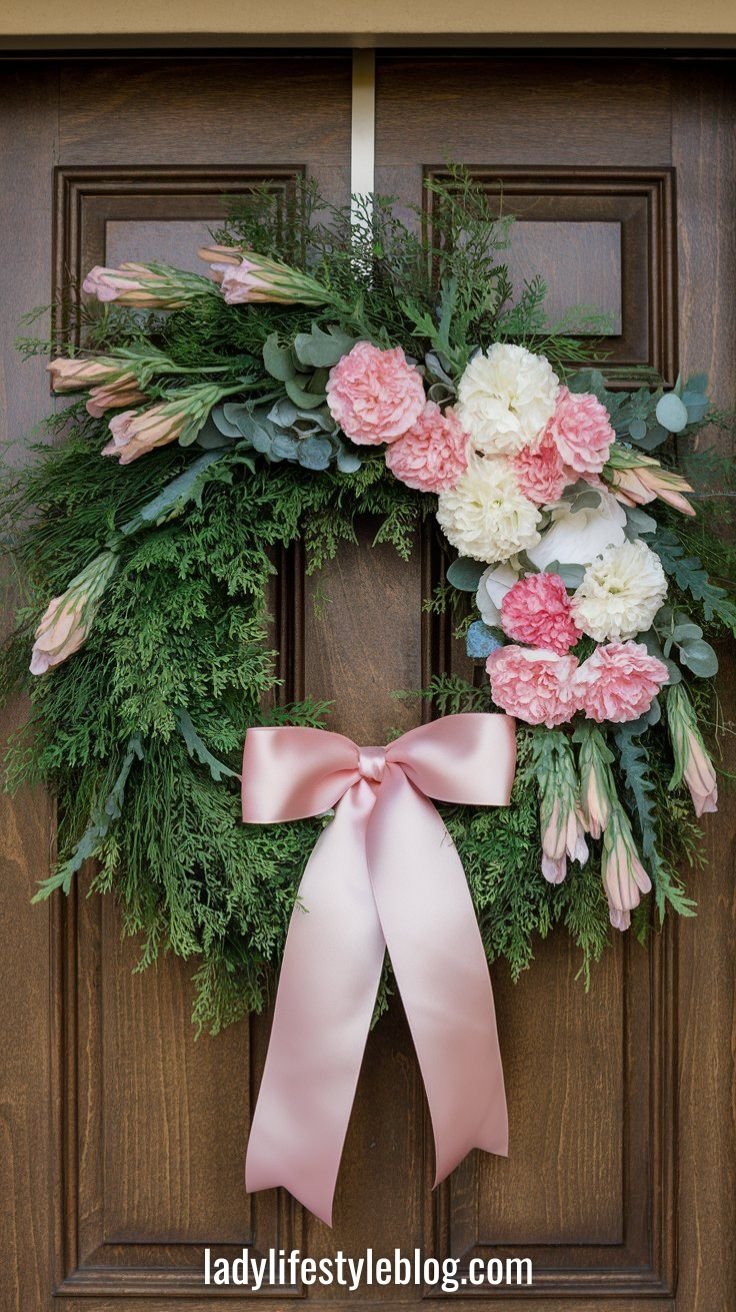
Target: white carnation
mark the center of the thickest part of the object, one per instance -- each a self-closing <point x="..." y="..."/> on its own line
<point x="621" y="593"/>
<point x="506" y="398"/>
<point x="485" y="515"/>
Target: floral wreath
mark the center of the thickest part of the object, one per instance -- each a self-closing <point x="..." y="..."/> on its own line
<point x="354" y="368"/>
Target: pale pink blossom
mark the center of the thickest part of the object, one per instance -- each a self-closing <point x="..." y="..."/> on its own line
<point x="122" y="391"/>
<point x="597" y="788"/>
<point x="692" y="761"/>
<point x="73" y="375"/>
<point x="563" y="837"/>
<point x="581" y="430"/>
<point x="256" y="278"/>
<point x="68" y="619"/>
<point x="618" y="682"/>
<point x="637" y="485"/>
<point x="136" y="432"/>
<point x="143" y="286"/>
<point x="624" y="876"/>
<point x="541" y="472"/>
<point x="431" y="455"/>
<point x="535" y="686"/>
<point x="536" y="611"/>
<point x="375" y="396"/>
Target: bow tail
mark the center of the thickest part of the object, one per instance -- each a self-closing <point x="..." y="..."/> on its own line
<point x="440" y="965"/>
<point x="327" y="989"/>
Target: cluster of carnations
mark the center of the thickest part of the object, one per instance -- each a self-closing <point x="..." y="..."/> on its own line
<point x="531" y="482"/>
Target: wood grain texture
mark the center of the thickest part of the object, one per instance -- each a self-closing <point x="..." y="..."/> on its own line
<point x="27" y="1210"/>
<point x="704" y="151"/>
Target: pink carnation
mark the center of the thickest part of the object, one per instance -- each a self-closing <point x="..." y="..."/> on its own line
<point x="619" y="682"/>
<point x="581" y="429"/>
<point x="540" y="471"/>
<point x="536" y="610"/>
<point x="535" y="686"/>
<point x="375" y="396"/>
<point x="430" y="455"/>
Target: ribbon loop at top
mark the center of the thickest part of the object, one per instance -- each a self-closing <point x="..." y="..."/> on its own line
<point x="384" y="874"/>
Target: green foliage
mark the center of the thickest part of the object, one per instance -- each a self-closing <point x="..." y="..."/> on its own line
<point x="140" y="734"/>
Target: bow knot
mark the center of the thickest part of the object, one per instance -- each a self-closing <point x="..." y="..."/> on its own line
<point x="372" y="763"/>
<point x="383" y="875"/>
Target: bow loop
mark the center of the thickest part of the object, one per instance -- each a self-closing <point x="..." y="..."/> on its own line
<point x="384" y="874"/>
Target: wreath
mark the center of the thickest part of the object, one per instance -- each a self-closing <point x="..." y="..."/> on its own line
<point x="369" y="366"/>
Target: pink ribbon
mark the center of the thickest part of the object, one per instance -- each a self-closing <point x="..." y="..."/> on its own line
<point x="384" y="874"/>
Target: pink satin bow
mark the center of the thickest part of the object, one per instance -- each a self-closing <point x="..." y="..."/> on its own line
<point x="384" y="873"/>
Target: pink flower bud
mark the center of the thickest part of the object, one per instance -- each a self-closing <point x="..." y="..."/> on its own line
<point x="122" y="392"/>
<point x="73" y="375"/>
<point x="597" y="789"/>
<point x="624" y="875"/>
<point x="560" y="817"/>
<point x="692" y="761"/>
<point x="68" y="619"/>
<point x="144" y="286"/>
<point x="135" y="432"/>
<point x="220" y="259"/>
<point x="246" y="277"/>
<point x="637" y="479"/>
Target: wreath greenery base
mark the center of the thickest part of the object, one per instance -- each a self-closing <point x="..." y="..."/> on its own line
<point x="140" y="734"/>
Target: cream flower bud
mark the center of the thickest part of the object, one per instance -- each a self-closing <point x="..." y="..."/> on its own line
<point x="637" y="479"/>
<point x="624" y="876"/>
<point x="597" y="789"/>
<point x="692" y="761"/>
<point x="69" y="618"/>
<point x="245" y="277"/>
<point x="560" y="817"/>
<point x="145" y="286"/>
<point x="136" y="432"/>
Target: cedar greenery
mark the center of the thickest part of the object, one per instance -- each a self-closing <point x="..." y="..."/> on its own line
<point x="140" y="734"/>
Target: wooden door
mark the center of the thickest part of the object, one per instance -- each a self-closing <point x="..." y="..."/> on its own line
<point x="122" y="1136"/>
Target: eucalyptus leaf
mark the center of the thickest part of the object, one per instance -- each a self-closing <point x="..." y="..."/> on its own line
<point x="348" y="462"/>
<point x="586" y="501"/>
<point x="699" y="657"/>
<point x="571" y="575"/>
<point x="686" y="632"/>
<point x="285" y="447"/>
<point x="315" y="452"/>
<point x="671" y="413"/>
<point x="638" y="523"/>
<point x="226" y="422"/>
<point x="278" y="360"/>
<point x="637" y="429"/>
<point x="319" y="349"/>
<point x="305" y="400"/>
<point x="696" y="404"/>
<point x="464" y="574"/>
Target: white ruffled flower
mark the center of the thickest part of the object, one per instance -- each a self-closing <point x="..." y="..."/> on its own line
<point x="505" y="398"/>
<point x="493" y="585"/>
<point x="485" y="515"/>
<point x="577" y="538"/>
<point x="621" y="593"/>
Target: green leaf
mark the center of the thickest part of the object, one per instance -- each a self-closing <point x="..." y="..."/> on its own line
<point x="197" y="749"/>
<point x="699" y="657"/>
<point x="278" y="359"/>
<point x="321" y="350"/>
<point x="300" y="397"/>
<point x="464" y="574"/>
<point x="101" y="821"/>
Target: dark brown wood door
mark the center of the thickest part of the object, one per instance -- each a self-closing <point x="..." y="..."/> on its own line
<point x="122" y="1136"/>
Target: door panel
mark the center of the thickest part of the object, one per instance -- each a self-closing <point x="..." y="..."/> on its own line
<point x="622" y="1130"/>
